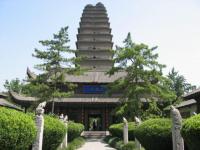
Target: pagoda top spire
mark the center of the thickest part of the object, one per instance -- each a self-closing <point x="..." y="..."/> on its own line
<point x="98" y="5"/>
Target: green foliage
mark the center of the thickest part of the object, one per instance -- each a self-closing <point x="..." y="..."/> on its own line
<point x="118" y="144"/>
<point x="54" y="133"/>
<point x="191" y="132"/>
<point x="76" y="143"/>
<point x="117" y="130"/>
<point x="54" y="66"/>
<point x="14" y="85"/>
<point x="74" y="130"/>
<point x="129" y="146"/>
<point x="178" y="83"/>
<point x="153" y="111"/>
<point x="144" y="77"/>
<point x="155" y="134"/>
<point x="113" y="141"/>
<point x="106" y="139"/>
<point x="17" y="130"/>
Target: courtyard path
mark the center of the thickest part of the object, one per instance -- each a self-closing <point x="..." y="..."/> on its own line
<point x="95" y="144"/>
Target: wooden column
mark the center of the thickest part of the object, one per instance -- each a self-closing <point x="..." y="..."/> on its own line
<point x="106" y="119"/>
<point x="82" y="114"/>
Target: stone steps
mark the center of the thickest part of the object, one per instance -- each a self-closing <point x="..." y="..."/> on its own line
<point x="95" y="134"/>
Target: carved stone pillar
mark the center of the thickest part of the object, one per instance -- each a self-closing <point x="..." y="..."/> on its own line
<point x="178" y="143"/>
<point x="40" y="126"/>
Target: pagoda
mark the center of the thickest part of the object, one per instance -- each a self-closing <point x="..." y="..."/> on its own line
<point x="94" y="39"/>
<point x="90" y="104"/>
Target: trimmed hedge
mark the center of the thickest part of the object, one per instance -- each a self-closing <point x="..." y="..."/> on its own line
<point x="113" y="141"/>
<point x="117" y="130"/>
<point x="76" y="143"/>
<point x="54" y="133"/>
<point x="74" y="130"/>
<point x="129" y="146"/>
<point x="191" y="132"/>
<point x="118" y="144"/>
<point x="17" y="130"/>
<point x="155" y="134"/>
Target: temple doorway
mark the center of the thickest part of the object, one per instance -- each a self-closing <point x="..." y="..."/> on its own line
<point x="95" y="122"/>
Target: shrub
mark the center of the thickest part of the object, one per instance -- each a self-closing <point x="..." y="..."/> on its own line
<point x="119" y="145"/>
<point x="155" y="134"/>
<point x="107" y="138"/>
<point x="76" y="143"/>
<point x="191" y="132"/>
<point x="129" y="146"/>
<point x="112" y="141"/>
<point x="74" y="130"/>
<point x="17" y="130"/>
<point x="117" y="130"/>
<point x="54" y="133"/>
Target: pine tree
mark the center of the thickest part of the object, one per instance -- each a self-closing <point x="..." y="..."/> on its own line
<point x="55" y="65"/>
<point x="144" y="79"/>
<point x="178" y="84"/>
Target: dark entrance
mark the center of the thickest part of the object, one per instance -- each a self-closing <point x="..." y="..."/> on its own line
<point x="95" y="122"/>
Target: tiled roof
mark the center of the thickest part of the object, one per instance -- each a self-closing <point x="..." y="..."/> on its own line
<point x="88" y="77"/>
<point x="95" y="77"/>
<point x="186" y="103"/>
<point x="19" y="97"/>
<point x="5" y="103"/>
<point x="89" y="100"/>
<point x="192" y="93"/>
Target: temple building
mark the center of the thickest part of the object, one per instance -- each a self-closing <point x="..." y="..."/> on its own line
<point x="90" y="104"/>
<point x="190" y="104"/>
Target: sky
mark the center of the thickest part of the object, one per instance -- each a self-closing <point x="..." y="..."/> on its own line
<point x="172" y="25"/>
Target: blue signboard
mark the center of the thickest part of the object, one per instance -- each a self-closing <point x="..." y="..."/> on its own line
<point x="94" y="89"/>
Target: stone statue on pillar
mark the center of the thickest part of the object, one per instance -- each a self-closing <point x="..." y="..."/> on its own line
<point x="125" y="132"/>
<point x="178" y="143"/>
<point x="137" y="143"/>
<point x="65" y="121"/>
<point x="40" y="126"/>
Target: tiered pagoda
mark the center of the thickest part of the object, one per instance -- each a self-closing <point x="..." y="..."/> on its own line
<point x="89" y="105"/>
<point x="94" y="39"/>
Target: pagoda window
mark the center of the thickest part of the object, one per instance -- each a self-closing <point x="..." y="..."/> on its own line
<point x="94" y="57"/>
<point x="94" y="47"/>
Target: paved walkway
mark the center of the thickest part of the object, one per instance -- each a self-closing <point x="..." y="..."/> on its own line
<point x="95" y="144"/>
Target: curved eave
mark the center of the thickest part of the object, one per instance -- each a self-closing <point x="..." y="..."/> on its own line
<point x="5" y="103"/>
<point x="30" y="74"/>
<point x="24" y="100"/>
<point x="21" y="99"/>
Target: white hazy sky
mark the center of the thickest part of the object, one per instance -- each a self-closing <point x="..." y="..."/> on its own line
<point x="172" y="25"/>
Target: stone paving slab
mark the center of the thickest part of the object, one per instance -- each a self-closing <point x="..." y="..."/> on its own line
<point x="95" y="144"/>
